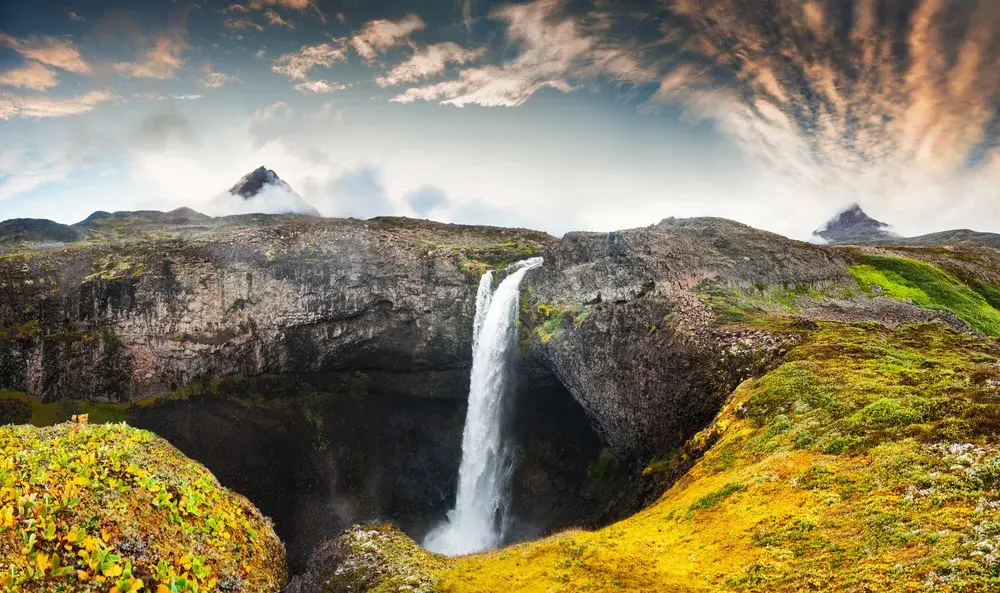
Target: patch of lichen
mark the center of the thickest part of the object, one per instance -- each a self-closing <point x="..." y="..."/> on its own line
<point x="542" y="320"/>
<point x="116" y="265"/>
<point x="113" y="509"/>
<point x="930" y="287"/>
<point x="866" y="462"/>
<point x="381" y="559"/>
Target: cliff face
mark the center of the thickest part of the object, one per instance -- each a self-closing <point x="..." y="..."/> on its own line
<point x="141" y="315"/>
<point x="629" y="321"/>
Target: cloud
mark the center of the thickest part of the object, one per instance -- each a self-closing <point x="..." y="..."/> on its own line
<point x="425" y="200"/>
<point x="273" y="17"/>
<point x="41" y="106"/>
<point x="849" y="104"/>
<point x="158" y="130"/>
<point x="319" y="86"/>
<point x="270" y="122"/>
<point x="556" y="50"/>
<point x="51" y="51"/>
<point x="379" y="36"/>
<point x="297" y="65"/>
<point x="160" y="61"/>
<point x="76" y="17"/>
<point x="32" y="76"/>
<point x="242" y="24"/>
<point x="22" y="170"/>
<point x="276" y="19"/>
<point x="214" y="80"/>
<point x="427" y="61"/>
<point x="357" y="193"/>
<point x="161" y="97"/>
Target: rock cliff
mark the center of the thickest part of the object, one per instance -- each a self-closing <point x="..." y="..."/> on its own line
<point x="147" y="311"/>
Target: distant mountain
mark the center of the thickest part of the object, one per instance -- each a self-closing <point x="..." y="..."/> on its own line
<point x="854" y="226"/>
<point x="18" y="231"/>
<point x="261" y="191"/>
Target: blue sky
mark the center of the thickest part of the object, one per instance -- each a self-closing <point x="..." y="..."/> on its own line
<point x="549" y="114"/>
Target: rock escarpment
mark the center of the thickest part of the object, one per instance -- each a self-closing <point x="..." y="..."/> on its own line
<point x="629" y="321"/>
<point x="123" y="319"/>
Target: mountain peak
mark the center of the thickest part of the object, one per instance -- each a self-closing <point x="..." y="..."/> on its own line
<point x="253" y="182"/>
<point x="262" y="191"/>
<point x="853" y="225"/>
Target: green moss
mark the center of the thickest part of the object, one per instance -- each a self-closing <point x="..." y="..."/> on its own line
<point x="713" y="498"/>
<point x="99" y="508"/>
<point x="23" y="331"/>
<point x="926" y="286"/>
<point x="49" y="413"/>
<point x="760" y="303"/>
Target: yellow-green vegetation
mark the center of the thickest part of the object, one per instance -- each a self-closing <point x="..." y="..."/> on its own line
<point x="544" y="319"/>
<point x="929" y="287"/>
<point x="759" y="303"/>
<point x="867" y="461"/>
<point x="384" y="560"/>
<point x="114" y="266"/>
<point x="114" y="509"/>
<point x="48" y="413"/>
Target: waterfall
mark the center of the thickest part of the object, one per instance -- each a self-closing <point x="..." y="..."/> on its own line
<point x="476" y="522"/>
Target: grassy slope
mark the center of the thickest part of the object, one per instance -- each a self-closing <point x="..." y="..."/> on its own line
<point x="930" y="287"/>
<point x="114" y="509"/>
<point x="866" y="462"/>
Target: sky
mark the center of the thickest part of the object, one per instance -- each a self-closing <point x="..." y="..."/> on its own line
<point x="550" y="114"/>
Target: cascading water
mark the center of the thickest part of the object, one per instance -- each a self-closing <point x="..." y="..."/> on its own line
<point x="476" y="521"/>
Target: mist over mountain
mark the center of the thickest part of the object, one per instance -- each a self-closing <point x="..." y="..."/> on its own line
<point x="260" y="191"/>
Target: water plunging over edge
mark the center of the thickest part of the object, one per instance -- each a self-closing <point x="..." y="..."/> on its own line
<point x="476" y="522"/>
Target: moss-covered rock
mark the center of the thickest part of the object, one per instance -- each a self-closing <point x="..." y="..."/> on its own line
<point x="370" y="559"/>
<point x="112" y="508"/>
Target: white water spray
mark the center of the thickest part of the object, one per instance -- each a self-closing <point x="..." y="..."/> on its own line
<point x="476" y="522"/>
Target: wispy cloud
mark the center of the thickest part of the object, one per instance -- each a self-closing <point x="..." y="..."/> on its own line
<point x="161" y="61"/>
<point x="214" y="80"/>
<point x="556" y="49"/>
<point x="381" y="35"/>
<point x="161" y="97"/>
<point x="41" y="106"/>
<point x="886" y="102"/>
<point x="242" y="24"/>
<point x="297" y="65"/>
<point x="428" y="61"/>
<point x="52" y="51"/>
<point x="319" y="86"/>
<point x="32" y="76"/>
<point x="76" y="17"/>
<point x="276" y="19"/>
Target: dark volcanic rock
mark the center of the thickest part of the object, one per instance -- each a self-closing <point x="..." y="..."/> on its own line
<point x="639" y="352"/>
<point x="121" y="320"/>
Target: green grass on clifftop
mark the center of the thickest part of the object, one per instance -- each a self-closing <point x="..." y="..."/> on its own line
<point x="113" y="509"/>
<point x="926" y="286"/>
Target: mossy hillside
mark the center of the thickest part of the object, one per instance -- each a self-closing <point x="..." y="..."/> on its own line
<point x="866" y="462"/>
<point x="113" y="509"/>
<point x="929" y="287"/>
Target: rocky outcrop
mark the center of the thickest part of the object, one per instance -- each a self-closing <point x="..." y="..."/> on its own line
<point x="144" y="315"/>
<point x="617" y="317"/>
